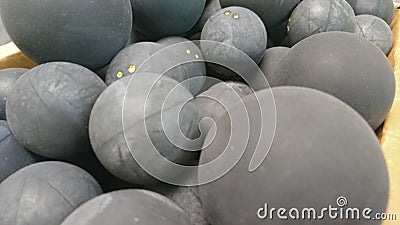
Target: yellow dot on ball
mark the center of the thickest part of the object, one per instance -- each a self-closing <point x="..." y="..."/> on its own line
<point x="290" y="19"/>
<point x="132" y="69"/>
<point x="120" y="74"/>
<point x="236" y="16"/>
<point x="196" y="56"/>
<point x="188" y="51"/>
<point x="227" y="13"/>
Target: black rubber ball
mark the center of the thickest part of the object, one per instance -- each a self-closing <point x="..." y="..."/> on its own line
<point x="191" y="59"/>
<point x="127" y="61"/>
<point x="159" y="19"/>
<point x="13" y="155"/>
<point x="45" y="193"/>
<point x="88" y="33"/>
<point x="272" y="12"/>
<point x="316" y="16"/>
<point x="383" y="9"/>
<point x="155" y="109"/>
<point x="322" y="150"/>
<point x="128" y="207"/>
<point x="154" y="58"/>
<point x="48" y="109"/>
<point x="375" y="30"/>
<point x="7" y="79"/>
<point x="346" y="66"/>
<point x="231" y="26"/>
<point x="272" y="59"/>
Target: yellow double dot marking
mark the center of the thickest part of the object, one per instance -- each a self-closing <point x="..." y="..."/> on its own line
<point x="235" y="16"/>
<point x="188" y="52"/>
<point x="131" y="70"/>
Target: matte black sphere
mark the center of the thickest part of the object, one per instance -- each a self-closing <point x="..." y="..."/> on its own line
<point x="49" y="107"/>
<point x="150" y="106"/>
<point x="346" y="66"/>
<point x="127" y="61"/>
<point x="376" y="30"/>
<point x="7" y="79"/>
<point x="88" y="33"/>
<point x="154" y="58"/>
<point x="316" y="16"/>
<point x="231" y="26"/>
<point x="322" y="150"/>
<point x="272" y="12"/>
<point x="272" y="59"/>
<point x="13" y="155"/>
<point x="45" y="193"/>
<point x="128" y="207"/>
<point x="191" y="59"/>
<point x="383" y="9"/>
<point x="159" y="19"/>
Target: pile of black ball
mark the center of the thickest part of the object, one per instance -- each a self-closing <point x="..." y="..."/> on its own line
<point x="193" y="111"/>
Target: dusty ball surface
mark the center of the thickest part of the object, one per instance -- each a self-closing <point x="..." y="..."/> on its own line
<point x="375" y="30"/>
<point x="48" y="110"/>
<point x="316" y="16"/>
<point x="230" y="26"/>
<point x="383" y="9"/>
<point x="45" y="193"/>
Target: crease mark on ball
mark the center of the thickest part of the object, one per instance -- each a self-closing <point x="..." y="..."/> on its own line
<point x="38" y="95"/>
<point x="55" y="189"/>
